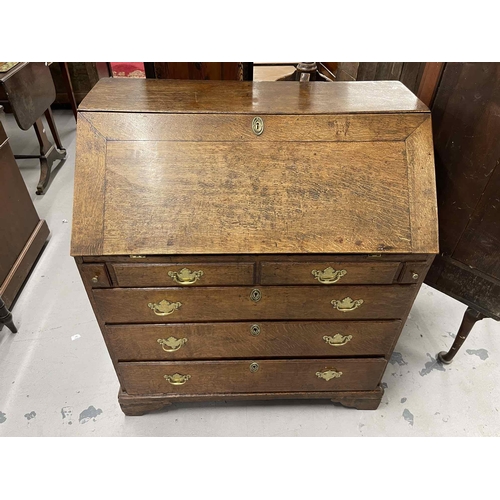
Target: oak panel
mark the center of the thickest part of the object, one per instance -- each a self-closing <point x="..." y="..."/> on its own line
<point x="256" y="198"/>
<point x="177" y="96"/>
<point x="232" y="128"/>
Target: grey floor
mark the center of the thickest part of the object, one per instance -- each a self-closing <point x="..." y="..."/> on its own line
<point x="56" y="378"/>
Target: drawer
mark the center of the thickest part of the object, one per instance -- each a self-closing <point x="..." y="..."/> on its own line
<point x="413" y="272"/>
<point x="202" y="377"/>
<point x="251" y="340"/>
<point x="328" y="273"/>
<point x="95" y="275"/>
<point x="174" y="305"/>
<point x="199" y="274"/>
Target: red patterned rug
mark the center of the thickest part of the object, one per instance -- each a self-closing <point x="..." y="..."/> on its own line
<point x="128" y="69"/>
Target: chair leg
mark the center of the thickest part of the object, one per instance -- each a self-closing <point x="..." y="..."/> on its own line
<point x="6" y="317"/>
<point x="471" y="316"/>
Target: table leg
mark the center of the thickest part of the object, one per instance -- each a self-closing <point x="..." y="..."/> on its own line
<point x="53" y="129"/>
<point x="471" y="316"/>
<point x="48" y="154"/>
<point x="6" y="317"/>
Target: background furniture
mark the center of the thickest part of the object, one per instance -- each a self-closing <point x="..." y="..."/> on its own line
<point x="27" y="91"/>
<point x="82" y="76"/>
<point x="466" y="123"/>
<point x="281" y="245"/>
<point x="22" y="233"/>
<point x="198" y="70"/>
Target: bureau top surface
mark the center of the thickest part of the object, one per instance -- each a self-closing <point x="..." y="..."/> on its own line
<point x="185" y="96"/>
<point x="322" y="174"/>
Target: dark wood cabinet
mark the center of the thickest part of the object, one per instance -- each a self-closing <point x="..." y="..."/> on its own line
<point x="466" y="130"/>
<point x="22" y="233"/>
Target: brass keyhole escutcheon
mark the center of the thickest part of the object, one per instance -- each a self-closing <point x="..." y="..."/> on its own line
<point x="255" y="295"/>
<point x="255" y="330"/>
<point x="254" y="367"/>
<point x="257" y="125"/>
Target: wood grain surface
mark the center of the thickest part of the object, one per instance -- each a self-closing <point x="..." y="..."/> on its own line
<point x="130" y="305"/>
<point x="140" y="275"/>
<point x="255" y="198"/>
<point x="300" y="273"/>
<point x="236" y="340"/>
<point x="179" y="96"/>
<point x="235" y="376"/>
<point x="89" y="191"/>
<point x="238" y="127"/>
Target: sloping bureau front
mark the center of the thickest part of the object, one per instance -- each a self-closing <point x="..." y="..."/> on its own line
<point x="272" y="236"/>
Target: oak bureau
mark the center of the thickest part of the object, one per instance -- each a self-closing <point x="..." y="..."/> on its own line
<point x="243" y="240"/>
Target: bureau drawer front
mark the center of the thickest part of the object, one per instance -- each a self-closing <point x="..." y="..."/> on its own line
<point x="251" y="340"/>
<point x="328" y="273"/>
<point x="173" y="305"/>
<point x="257" y="376"/>
<point x="95" y="275"/>
<point x="198" y="274"/>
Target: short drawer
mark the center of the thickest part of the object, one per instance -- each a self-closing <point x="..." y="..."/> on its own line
<point x="251" y="340"/>
<point x="413" y="272"/>
<point x="328" y="273"/>
<point x="202" y="377"/>
<point x="199" y="274"/>
<point x="174" y="305"/>
<point x="95" y="275"/>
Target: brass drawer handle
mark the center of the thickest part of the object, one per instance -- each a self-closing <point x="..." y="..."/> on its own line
<point x="171" y="344"/>
<point x="328" y="275"/>
<point x="185" y="276"/>
<point x="177" y="379"/>
<point x="164" y="307"/>
<point x="337" y="339"/>
<point x="328" y="374"/>
<point x="346" y="304"/>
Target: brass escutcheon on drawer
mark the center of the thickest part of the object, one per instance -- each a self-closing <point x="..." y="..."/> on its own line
<point x="177" y="379"/>
<point x="329" y="275"/>
<point x="255" y="295"/>
<point x="337" y="339"/>
<point x="257" y="125"/>
<point x="185" y="276"/>
<point x="329" y="374"/>
<point x="255" y="330"/>
<point x="171" y="344"/>
<point x="164" y="307"/>
<point x="346" y="304"/>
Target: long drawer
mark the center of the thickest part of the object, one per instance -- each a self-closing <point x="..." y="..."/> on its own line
<point x="202" y="377"/>
<point x="173" y="305"/>
<point x="251" y="340"/>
